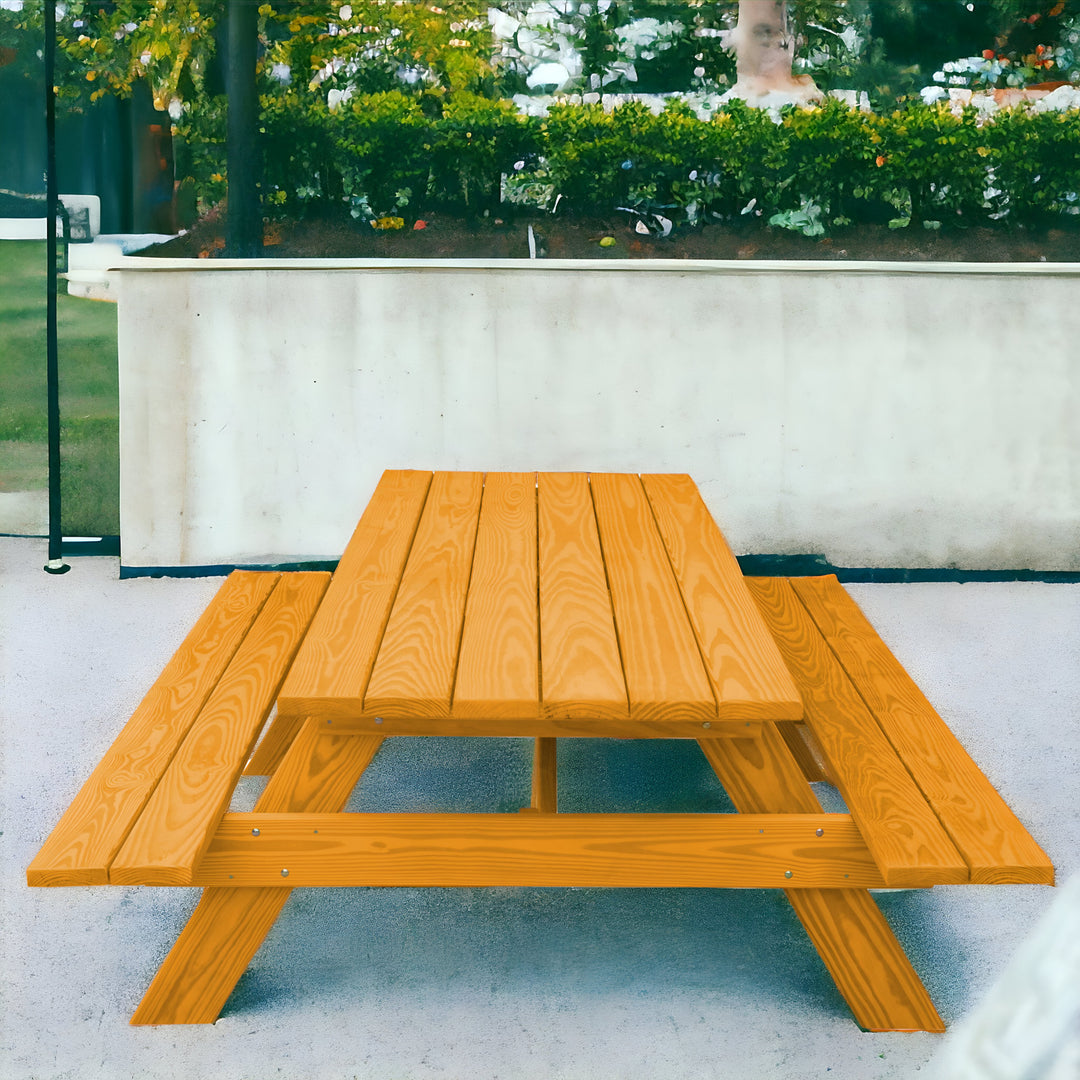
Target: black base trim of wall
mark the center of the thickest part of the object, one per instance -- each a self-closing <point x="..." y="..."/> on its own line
<point x="751" y="565"/>
<point x="97" y="545"/>
<point x="221" y="569"/>
<point x="812" y="565"/>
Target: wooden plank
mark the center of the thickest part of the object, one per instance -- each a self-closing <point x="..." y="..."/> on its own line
<point x="498" y="663"/>
<point x="901" y="830"/>
<point x="597" y="850"/>
<point x="995" y="845"/>
<point x="539" y="727"/>
<point x="414" y="670"/>
<point x="545" y="779"/>
<point x="747" y="674"/>
<point x="336" y="658"/>
<point x="582" y="676"/>
<point x="229" y="923"/>
<point x="88" y="836"/>
<point x="661" y="661"/>
<point x="272" y="747"/>
<point x="177" y="823"/>
<point x="860" y="952"/>
<point x="804" y="748"/>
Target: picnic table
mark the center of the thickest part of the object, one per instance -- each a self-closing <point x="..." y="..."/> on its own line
<point x="543" y="606"/>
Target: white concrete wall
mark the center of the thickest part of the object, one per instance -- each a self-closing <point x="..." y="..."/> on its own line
<point x="881" y="415"/>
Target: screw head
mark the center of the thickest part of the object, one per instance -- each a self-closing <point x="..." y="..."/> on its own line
<point x="254" y="832"/>
<point x="284" y="872"/>
<point x="788" y="873"/>
<point x="706" y="724"/>
<point x="378" y="719"/>
<point x="819" y="832"/>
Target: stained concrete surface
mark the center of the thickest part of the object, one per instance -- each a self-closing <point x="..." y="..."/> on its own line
<point x="410" y="984"/>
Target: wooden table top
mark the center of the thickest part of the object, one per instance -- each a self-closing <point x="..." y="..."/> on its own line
<point x="539" y="604"/>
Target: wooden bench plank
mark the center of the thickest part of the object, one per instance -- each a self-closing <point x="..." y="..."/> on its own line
<point x="900" y="828"/>
<point x="851" y="935"/>
<point x="414" y="670"/>
<point x="598" y="850"/>
<point x="748" y="677"/>
<point x="663" y="667"/>
<point x="545" y="777"/>
<point x="339" y="652"/>
<point x="178" y="821"/>
<point x="498" y="663"/>
<point x="998" y="849"/>
<point x="229" y="924"/>
<point x="88" y="836"/>
<point x="582" y="676"/>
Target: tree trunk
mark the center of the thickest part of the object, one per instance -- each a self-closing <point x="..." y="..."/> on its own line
<point x="244" y="222"/>
<point x="764" y="44"/>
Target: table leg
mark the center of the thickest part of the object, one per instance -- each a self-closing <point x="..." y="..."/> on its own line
<point x="227" y="927"/>
<point x="869" y="967"/>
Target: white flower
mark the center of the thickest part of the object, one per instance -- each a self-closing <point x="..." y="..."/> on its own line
<point x="345" y="12"/>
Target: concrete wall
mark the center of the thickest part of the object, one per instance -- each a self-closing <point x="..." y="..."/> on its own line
<point x="881" y="415"/>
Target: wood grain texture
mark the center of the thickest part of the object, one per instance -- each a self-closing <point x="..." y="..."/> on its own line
<point x="498" y="662"/>
<point x="899" y="826"/>
<point x="545" y="778"/>
<point x="859" y="950"/>
<point x="582" y="676"/>
<point x="414" y="670"/>
<point x="995" y="845"/>
<point x="540" y="727"/>
<point x="747" y="674"/>
<point x="598" y="850"/>
<point x="804" y="748"/>
<point x="230" y="923"/>
<point x="177" y="823"/>
<point x="274" y="744"/>
<point x="336" y="658"/>
<point x="91" y="831"/>
<point x="664" y="675"/>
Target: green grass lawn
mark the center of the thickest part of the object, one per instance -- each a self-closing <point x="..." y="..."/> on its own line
<point x="89" y="403"/>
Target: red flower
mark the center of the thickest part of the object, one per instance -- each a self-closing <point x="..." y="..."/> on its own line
<point x="879" y="160"/>
<point x="988" y="54"/>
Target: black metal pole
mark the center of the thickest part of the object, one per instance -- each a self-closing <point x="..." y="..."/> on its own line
<point x="56" y="564"/>
<point x="243" y="227"/>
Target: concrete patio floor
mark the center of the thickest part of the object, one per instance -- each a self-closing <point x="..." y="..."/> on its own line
<point x="409" y="984"/>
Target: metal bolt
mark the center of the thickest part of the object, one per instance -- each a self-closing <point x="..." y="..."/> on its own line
<point x="706" y="724"/>
<point x="378" y="719"/>
<point x="788" y="873"/>
<point x="284" y="872"/>
<point x="819" y="832"/>
<point x="254" y="832"/>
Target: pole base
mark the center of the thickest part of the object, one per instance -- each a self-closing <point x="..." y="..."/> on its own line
<point x="56" y="566"/>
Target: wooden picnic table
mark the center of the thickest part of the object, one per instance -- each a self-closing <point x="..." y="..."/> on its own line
<point x="544" y="606"/>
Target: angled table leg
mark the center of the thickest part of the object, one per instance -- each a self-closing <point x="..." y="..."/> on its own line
<point x="869" y="967"/>
<point x="227" y="927"/>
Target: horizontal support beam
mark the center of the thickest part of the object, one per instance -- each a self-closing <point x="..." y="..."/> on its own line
<point x="746" y="851"/>
<point x="342" y="722"/>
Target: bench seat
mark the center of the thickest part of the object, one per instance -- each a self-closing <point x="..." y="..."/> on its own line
<point x="149" y="810"/>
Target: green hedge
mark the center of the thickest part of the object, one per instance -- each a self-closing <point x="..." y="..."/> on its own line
<point x="401" y="155"/>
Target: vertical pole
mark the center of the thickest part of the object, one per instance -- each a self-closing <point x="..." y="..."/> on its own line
<point x="56" y="564"/>
<point x="243" y="234"/>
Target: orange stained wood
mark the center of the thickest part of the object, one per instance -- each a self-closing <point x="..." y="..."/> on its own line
<point x="497" y="672"/>
<point x="747" y="674"/>
<point x="901" y="830"/>
<point x="579" y="652"/>
<point x="176" y="825"/>
<point x="417" y="661"/>
<point x="866" y="961"/>
<point x="88" y="836"/>
<point x="997" y="847"/>
<point x="609" y="850"/>
<point x="229" y="924"/>
<point x="336" y="659"/>
<point x="661" y="661"/>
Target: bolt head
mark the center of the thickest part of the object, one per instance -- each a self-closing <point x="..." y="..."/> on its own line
<point x="706" y="724"/>
<point x="819" y="832"/>
<point x="254" y="832"/>
<point x="788" y="873"/>
<point x="284" y="872"/>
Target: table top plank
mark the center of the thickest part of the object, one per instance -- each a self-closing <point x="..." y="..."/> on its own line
<point x="336" y="658"/>
<point x="743" y="663"/>
<point x="415" y="667"/>
<point x="665" y="677"/>
<point x="582" y="674"/>
<point x="498" y="663"/>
